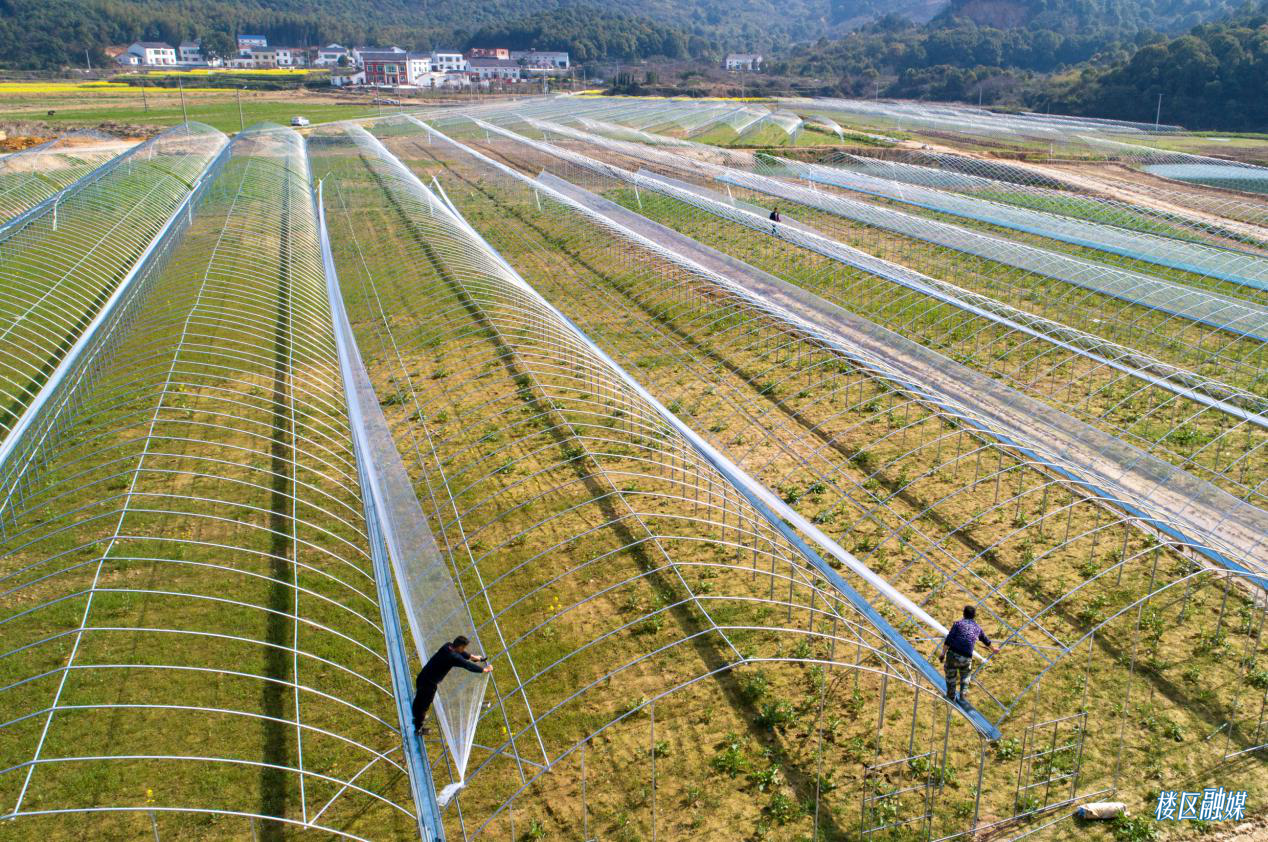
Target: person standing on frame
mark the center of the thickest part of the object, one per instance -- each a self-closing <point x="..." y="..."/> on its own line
<point x="434" y="671"/>
<point x="958" y="653"/>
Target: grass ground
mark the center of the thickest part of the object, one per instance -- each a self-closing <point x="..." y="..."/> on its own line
<point x="666" y="338"/>
<point x="188" y="570"/>
<point x="1153" y="419"/>
<point x="592" y="539"/>
<point x="1244" y="146"/>
<point x="61" y="108"/>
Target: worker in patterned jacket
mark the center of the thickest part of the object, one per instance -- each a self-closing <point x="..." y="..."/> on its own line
<point x="958" y="653"/>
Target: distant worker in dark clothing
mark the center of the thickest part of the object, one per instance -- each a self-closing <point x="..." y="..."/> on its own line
<point x="434" y="671"/>
<point x="775" y="217"/>
<point x="958" y="654"/>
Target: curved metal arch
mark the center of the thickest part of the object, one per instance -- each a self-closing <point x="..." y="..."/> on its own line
<point x="259" y="551"/>
<point x="215" y="635"/>
<point x="1037" y="491"/>
<point x="155" y="809"/>
<point x="916" y="687"/>
<point x="325" y="629"/>
<point x="225" y="760"/>
<point x="31" y="176"/>
<point x="309" y="544"/>
<point x="1091" y="632"/>
<point x="434" y="244"/>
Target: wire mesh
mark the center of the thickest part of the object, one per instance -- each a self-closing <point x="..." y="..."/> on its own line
<point x="1120" y="593"/>
<point x="63" y="266"/>
<point x="35" y="175"/>
<point x="1157" y="481"/>
<point x="561" y="494"/>
<point x="191" y="624"/>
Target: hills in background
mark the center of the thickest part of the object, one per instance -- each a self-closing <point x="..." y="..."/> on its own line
<point x="1209" y="58"/>
<point x="1105" y="58"/>
<point x="48" y="33"/>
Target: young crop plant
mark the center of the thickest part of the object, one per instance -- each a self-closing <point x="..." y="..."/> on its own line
<point x="709" y="450"/>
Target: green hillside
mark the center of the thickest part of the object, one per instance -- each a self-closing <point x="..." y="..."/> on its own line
<point x="51" y="33"/>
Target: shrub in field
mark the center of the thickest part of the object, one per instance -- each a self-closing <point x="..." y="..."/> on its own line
<point x="730" y="759"/>
<point x="1135" y="829"/>
<point x="781" y="809"/>
<point x="764" y="779"/>
<point x="775" y="715"/>
<point x="753" y="686"/>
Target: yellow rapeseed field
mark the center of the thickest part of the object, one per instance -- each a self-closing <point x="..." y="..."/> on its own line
<point x="52" y="88"/>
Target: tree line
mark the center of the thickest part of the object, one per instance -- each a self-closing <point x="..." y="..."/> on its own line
<point x="1091" y="57"/>
<point x="1214" y="77"/>
<point x="51" y="34"/>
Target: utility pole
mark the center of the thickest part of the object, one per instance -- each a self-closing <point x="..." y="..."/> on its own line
<point x="180" y="83"/>
<point x="145" y="103"/>
<point x="88" y="59"/>
<point x="1158" y="113"/>
<point x="242" y="124"/>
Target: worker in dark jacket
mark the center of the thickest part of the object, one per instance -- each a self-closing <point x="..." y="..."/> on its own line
<point x="958" y="654"/>
<point x="434" y="671"/>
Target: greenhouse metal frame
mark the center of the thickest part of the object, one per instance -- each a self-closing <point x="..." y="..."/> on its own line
<point x="706" y="487"/>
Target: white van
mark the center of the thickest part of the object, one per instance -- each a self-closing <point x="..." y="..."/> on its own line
<point x="299" y="121"/>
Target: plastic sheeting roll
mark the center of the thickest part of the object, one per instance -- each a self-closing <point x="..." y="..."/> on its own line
<point x="1102" y="810"/>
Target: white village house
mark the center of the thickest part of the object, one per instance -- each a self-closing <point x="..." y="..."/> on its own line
<point x="330" y="55"/>
<point x="152" y="54"/>
<point x="448" y="61"/>
<point x="495" y="69"/>
<point x="358" y="54"/>
<point x="540" y="60"/>
<point x="189" y="52"/>
<point x="748" y="62"/>
<point x="291" y="56"/>
<point x="247" y="43"/>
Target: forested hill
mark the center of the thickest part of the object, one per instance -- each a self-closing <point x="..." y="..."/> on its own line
<point x="49" y="33"/>
<point x="991" y="48"/>
<point x="1084" y="16"/>
<point x="1216" y="76"/>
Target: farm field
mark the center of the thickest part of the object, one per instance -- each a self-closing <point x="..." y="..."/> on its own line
<point x="56" y="107"/>
<point x="702" y="421"/>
